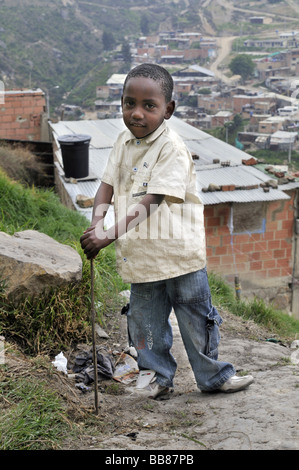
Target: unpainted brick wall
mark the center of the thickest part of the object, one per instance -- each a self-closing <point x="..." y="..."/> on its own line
<point x="20" y="115"/>
<point x="255" y="256"/>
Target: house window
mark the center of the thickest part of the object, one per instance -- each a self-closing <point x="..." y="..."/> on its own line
<point x="248" y="218"/>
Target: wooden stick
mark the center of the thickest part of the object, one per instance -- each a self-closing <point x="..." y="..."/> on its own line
<point x="95" y="367"/>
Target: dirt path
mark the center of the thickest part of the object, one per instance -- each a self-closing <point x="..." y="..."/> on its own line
<point x="263" y="417"/>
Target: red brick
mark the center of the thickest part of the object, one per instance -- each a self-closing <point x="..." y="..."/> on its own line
<point x="273" y="244"/>
<point x="213" y="221"/>
<point x="256" y="265"/>
<point x="222" y="210"/>
<point x="281" y="234"/>
<point x="209" y="211"/>
<point x="273" y="273"/>
<point x="220" y="250"/>
<point x="270" y="263"/>
<point x="239" y="239"/>
<point x="209" y="252"/>
<point x="247" y="247"/>
<point x="279" y="254"/>
<point x="213" y="261"/>
<point x="260" y="246"/>
<point x="283" y="263"/>
<point x="213" y="241"/>
<point x="227" y="259"/>
<point x="264" y="255"/>
<point x="223" y="230"/>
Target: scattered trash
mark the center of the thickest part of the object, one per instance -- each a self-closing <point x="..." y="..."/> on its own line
<point x="144" y="379"/>
<point x="132" y="435"/>
<point x="126" y="369"/>
<point x="131" y="351"/>
<point x="84" y="370"/>
<point x="295" y="357"/>
<point x="60" y="363"/>
<point x="81" y="386"/>
<point x="295" y="344"/>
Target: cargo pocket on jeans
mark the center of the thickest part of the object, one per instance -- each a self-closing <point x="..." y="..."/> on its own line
<point x="213" y="336"/>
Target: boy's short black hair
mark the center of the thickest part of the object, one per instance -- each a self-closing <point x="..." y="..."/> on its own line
<point x="155" y="72"/>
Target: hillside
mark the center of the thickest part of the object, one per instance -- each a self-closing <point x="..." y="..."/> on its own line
<point x="59" y="42"/>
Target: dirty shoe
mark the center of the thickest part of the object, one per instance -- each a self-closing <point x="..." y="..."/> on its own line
<point x="235" y="383"/>
<point x="147" y="385"/>
<point x="152" y="390"/>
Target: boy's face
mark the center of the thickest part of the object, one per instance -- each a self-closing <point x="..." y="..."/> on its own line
<point x="144" y="106"/>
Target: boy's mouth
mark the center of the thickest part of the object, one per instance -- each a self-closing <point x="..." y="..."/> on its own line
<point x="136" y="124"/>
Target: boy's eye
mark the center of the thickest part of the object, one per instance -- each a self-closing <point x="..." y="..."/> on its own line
<point x="129" y="104"/>
<point x="149" y="106"/>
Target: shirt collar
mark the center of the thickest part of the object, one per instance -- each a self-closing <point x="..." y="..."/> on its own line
<point x="150" y="138"/>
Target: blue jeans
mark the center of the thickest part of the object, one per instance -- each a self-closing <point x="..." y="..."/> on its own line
<point x="150" y="331"/>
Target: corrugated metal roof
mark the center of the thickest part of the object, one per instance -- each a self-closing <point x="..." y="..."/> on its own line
<point x="103" y="135"/>
<point x="237" y="175"/>
<point x="241" y="196"/>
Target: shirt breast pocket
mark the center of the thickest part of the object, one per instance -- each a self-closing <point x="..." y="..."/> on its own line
<point x="139" y="188"/>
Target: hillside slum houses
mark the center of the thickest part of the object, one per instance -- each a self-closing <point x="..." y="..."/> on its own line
<point x="251" y="210"/>
<point x="205" y="102"/>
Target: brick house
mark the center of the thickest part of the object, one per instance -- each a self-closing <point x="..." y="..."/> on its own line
<point x="23" y="115"/>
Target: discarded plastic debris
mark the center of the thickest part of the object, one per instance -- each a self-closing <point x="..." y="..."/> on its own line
<point x="144" y="379"/>
<point x="84" y="370"/>
<point x="132" y="435"/>
<point x="81" y="386"/>
<point x="131" y="351"/>
<point x="60" y="363"/>
<point x="295" y="357"/>
<point x="126" y="369"/>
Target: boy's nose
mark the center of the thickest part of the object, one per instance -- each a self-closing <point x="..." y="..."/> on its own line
<point x="137" y="113"/>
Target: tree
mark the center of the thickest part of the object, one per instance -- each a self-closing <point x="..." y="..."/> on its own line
<point x="242" y="65"/>
<point x="144" y="25"/>
<point x="126" y="53"/>
<point x="108" y="41"/>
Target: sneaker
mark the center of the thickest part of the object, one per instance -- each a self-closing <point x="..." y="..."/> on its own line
<point x="153" y="390"/>
<point x="147" y="385"/>
<point x="235" y="383"/>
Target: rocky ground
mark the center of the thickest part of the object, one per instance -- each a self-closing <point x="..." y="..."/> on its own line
<point x="263" y="417"/>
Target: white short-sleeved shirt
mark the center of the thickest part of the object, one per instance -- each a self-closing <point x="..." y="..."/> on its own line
<point x="171" y="242"/>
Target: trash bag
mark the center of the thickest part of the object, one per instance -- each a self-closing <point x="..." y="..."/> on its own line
<point x="84" y="369"/>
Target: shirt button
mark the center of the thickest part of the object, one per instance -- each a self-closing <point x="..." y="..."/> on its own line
<point x="138" y="142"/>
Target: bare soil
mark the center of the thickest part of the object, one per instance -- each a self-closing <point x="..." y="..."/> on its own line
<point x="263" y="417"/>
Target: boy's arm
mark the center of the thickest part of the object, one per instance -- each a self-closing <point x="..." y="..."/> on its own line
<point x="95" y="237"/>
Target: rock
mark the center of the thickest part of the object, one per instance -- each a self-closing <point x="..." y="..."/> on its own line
<point x="100" y="332"/>
<point x="213" y="187"/>
<point x="84" y="201"/>
<point x="32" y="263"/>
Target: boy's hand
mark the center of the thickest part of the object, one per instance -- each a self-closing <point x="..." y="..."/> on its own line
<point x="93" y="240"/>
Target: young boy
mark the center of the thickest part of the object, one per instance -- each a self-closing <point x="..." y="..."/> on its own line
<point x="160" y="239"/>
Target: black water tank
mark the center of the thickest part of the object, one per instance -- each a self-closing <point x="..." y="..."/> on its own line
<point x="75" y="155"/>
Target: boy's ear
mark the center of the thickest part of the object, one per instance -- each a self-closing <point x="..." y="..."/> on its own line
<point x="169" y="109"/>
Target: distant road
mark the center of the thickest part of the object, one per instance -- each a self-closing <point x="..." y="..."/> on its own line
<point x="224" y="49"/>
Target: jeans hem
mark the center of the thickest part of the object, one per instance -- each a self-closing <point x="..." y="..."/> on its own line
<point x="218" y="384"/>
